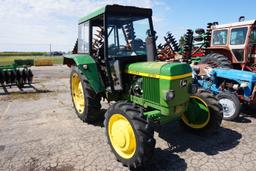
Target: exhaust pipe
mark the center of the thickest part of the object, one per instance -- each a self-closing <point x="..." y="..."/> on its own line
<point x="150" y="47"/>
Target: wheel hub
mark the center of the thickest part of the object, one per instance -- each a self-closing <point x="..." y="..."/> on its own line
<point x="122" y="136"/>
<point x="77" y="93"/>
<point x="119" y="135"/>
<point x="197" y="115"/>
<point x="228" y="107"/>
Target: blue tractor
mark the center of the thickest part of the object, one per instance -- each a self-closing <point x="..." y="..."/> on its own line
<point x="233" y="88"/>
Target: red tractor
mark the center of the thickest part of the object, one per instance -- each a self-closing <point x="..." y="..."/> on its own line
<point x="226" y="45"/>
<point x="230" y="45"/>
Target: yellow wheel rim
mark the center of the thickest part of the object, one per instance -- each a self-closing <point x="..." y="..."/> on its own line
<point x="207" y="112"/>
<point x="122" y="136"/>
<point x="77" y="93"/>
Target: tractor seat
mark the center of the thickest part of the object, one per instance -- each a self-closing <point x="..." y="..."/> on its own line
<point x="138" y="44"/>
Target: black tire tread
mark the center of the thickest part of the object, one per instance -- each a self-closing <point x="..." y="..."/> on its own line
<point x="92" y="109"/>
<point x="144" y="132"/>
<point x="235" y="99"/>
<point x="217" y="58"/>
<point x="216" y="114"/>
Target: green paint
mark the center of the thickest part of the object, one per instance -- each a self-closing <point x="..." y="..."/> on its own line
<point x="196" y="59"/>
<point x="8" y="67"/>
<point x="153" y="114"/>
<point x="146" y="67"/>
<point x="197" y="112"/>
<point x="158" y="78"/>
<point x="160" y="68"/>
<point x="175" y="69"/>
<point x="159" y="113"/>
<point x="94" y="14"/>
<point x="92" y="73"/>
<point x="155" y="89"/>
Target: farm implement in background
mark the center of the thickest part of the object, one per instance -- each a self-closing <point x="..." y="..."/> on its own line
<point x="212" y="54"/>
<point x="17" y="74"/>
<point x="230" y="45"/>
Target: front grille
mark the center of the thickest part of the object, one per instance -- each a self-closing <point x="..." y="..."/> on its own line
<point x="151" y="89"/>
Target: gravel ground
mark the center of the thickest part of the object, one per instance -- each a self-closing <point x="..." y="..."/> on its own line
<point x="39" y="130"/>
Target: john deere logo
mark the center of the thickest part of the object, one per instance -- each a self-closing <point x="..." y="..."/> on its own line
<point x="183" y="83"/>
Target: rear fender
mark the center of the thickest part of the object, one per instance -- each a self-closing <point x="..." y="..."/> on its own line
<point x="89" y="68"/>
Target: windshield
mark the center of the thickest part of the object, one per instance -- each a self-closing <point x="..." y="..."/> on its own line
<point x="126" y="36"/>
<point x="238" y="36"/>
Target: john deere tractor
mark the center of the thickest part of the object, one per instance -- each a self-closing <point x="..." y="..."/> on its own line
<point x="115" y="59"/>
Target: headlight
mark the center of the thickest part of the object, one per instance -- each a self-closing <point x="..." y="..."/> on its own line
<point x="170" y="95"/>
<point x="244" y="85"/>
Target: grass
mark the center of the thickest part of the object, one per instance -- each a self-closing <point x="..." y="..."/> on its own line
<point x="7" y="60"/>
<point x="22" y="53"/>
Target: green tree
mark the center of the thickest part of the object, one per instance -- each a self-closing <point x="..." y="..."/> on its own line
<point x="182" y="42"/>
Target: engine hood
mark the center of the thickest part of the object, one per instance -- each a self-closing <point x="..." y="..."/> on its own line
<point x="235" y="74"/>
<point x="163" y="70"/>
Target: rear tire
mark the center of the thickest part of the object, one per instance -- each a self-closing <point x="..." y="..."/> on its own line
<point x="129" y="134"/>
<point x="207" y="116"/>
<point x="231" y="106"/>
<point x="86" y="102"/>
<point x="216" y="60"/>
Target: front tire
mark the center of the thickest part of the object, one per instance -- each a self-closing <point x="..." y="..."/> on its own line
<point x="86" y="102"/>
<point x="204" y="113"/>
<point x="129" y="134"/>
<point x="231" y="106"/>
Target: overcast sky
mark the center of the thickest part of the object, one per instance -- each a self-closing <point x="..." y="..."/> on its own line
<point x="31" y="25"/>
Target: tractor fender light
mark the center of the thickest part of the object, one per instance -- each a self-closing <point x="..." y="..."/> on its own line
<point x="244" y="85"/>
<point x="170" y="95"/>
<point x="85" y="66"/>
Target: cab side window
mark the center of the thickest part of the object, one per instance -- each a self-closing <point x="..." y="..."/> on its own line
<point x="83" y="38"/>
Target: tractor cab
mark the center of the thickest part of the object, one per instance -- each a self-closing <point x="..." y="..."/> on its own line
<point x="116" y="36"/>
<point x="236" y="41"/>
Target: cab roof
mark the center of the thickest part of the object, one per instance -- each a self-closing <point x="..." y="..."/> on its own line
<point x="117" y="9"/>
<point x="237" y="24"/>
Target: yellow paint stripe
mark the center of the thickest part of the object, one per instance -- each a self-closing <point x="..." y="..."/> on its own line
<point x="160" y="76"/>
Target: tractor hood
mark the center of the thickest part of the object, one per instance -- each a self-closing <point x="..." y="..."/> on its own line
<point x="163" y="70"/>
<point x="159" y="78"/>
<point x="235" y="74"/>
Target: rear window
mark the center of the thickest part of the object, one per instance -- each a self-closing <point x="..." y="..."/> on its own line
<point x="219" y="37"/>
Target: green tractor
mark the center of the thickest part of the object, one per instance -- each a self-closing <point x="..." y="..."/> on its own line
<point x="115" y="59"/>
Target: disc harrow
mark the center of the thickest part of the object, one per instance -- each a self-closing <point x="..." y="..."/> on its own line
<point x="12" y="76"/>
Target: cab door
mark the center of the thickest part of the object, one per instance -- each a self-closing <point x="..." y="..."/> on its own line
<point x="237" y="43"/>
<point x="252" y="46"/>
